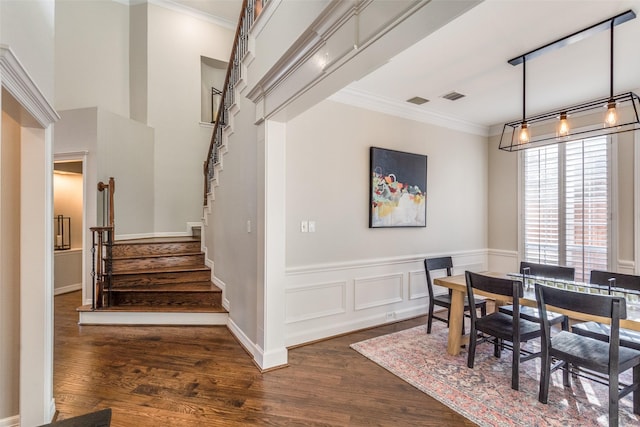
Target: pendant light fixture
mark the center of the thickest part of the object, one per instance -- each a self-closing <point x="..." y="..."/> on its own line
<point x="524" y="137"/>
<point x="621" y="111"/>
<point x="611" y="116"/>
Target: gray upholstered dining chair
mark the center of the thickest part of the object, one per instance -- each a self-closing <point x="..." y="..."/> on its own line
<point x="583" y="355"/>
<point x="445" y="263"/>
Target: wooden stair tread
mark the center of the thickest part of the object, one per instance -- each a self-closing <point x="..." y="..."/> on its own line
<point x="161" y="275"/>
<point x="155" y="309"/>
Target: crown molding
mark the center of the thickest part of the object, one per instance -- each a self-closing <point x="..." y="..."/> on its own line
<point x="16" y="80"/>
<point x="369" y="101"/>
<point x="198" y="14"/>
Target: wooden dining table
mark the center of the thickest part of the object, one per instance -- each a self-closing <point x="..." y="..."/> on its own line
<point x="458" y="286"/>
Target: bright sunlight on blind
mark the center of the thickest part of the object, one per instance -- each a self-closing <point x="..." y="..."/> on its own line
<point x="566" y="205"/>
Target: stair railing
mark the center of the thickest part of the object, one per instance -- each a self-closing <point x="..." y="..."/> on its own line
<point x="101" y="271"/>
<point x="249" y="12"/>
<point x="101" y="249"/>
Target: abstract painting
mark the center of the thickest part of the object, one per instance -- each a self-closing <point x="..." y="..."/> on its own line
<point x="398" y="196"/>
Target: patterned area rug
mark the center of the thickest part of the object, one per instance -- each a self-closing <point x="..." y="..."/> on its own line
<point x="483" y="394"/>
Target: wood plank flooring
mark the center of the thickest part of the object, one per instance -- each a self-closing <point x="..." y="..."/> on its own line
<point x="200" y="376"/>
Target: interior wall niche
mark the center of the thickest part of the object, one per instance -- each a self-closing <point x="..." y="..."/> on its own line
<point x="212" y="75"/>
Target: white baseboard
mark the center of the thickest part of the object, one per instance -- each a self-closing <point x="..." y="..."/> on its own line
<point x="10" y="422"/>
<point x="67" y="289"/>
<point x="52" y="409"/>
<point x="243" y="338"/>
<point x="223" y="286"/>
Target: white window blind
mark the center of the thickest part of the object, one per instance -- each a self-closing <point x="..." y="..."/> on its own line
<point x="541" y="206"/>
<point x="566" y="205"/>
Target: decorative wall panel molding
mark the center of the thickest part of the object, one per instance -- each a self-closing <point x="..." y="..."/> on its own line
<point x="377" y="291"/>
<point x="418" y="285"/>
<point x="313" y="302"/>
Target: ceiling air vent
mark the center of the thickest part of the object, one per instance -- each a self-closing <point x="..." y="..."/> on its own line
<point x="417" y="100"/>
<point x="453" y="96"/>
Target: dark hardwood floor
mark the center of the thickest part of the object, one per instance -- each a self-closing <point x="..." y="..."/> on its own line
<point x="200" y="376"/>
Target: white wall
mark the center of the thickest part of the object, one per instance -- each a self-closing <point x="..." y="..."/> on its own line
<point x="125" y="151"/>
<point x="346" y="275"/>
<point x="77" y="132"/>
<point x="27" y="28"/>
<point x="327" y="181"/>
<point x="115" y="146"/>
<point x="67" y="271"/>
<point x="175" y="43"/>
<point x="92" y="55"/>
<point x="138" y="62"/>
<point x="233" y="251"/>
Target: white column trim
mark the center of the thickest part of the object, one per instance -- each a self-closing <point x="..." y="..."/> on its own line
<point x="37" y="405"/>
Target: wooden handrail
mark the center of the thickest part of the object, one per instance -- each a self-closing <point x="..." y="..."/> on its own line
<point x="112" y="189"/>
<point x="231" y="67"/>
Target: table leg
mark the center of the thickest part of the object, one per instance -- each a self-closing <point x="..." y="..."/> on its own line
<point x="455" y="322"/>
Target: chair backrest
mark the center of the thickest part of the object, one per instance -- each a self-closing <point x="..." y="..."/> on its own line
<point x="627" y="281"/>
<point x="432" y="264"/>
<point x="612" y="307"/>
<point x="547" y="270"/>
<point x="499" y="286"/>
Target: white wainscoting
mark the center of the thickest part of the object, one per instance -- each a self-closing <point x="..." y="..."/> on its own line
<point x="332" y="299"/>
<point x="377" y="291"/>
<point x="318" y="301"/>
<point x="626" y="267"/>
<point x="503" y="261"/>
<point x="10" y="422"/>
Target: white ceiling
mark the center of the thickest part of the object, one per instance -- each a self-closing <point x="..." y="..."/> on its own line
<point x="470" y="54"/>
<point x="226" y="10"/>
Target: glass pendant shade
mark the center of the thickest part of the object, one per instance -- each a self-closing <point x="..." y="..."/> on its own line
<point x="562" y="130"/>
<point x="611" y="116"/>
<point x="524" y="136"/>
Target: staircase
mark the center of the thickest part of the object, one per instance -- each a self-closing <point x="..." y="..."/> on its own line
<point x="159" y="281"/>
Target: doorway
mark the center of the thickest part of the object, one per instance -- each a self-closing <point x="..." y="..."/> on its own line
<point x="68" y="225"/>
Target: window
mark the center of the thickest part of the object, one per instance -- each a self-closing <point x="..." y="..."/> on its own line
<point x="566" y="205"/>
